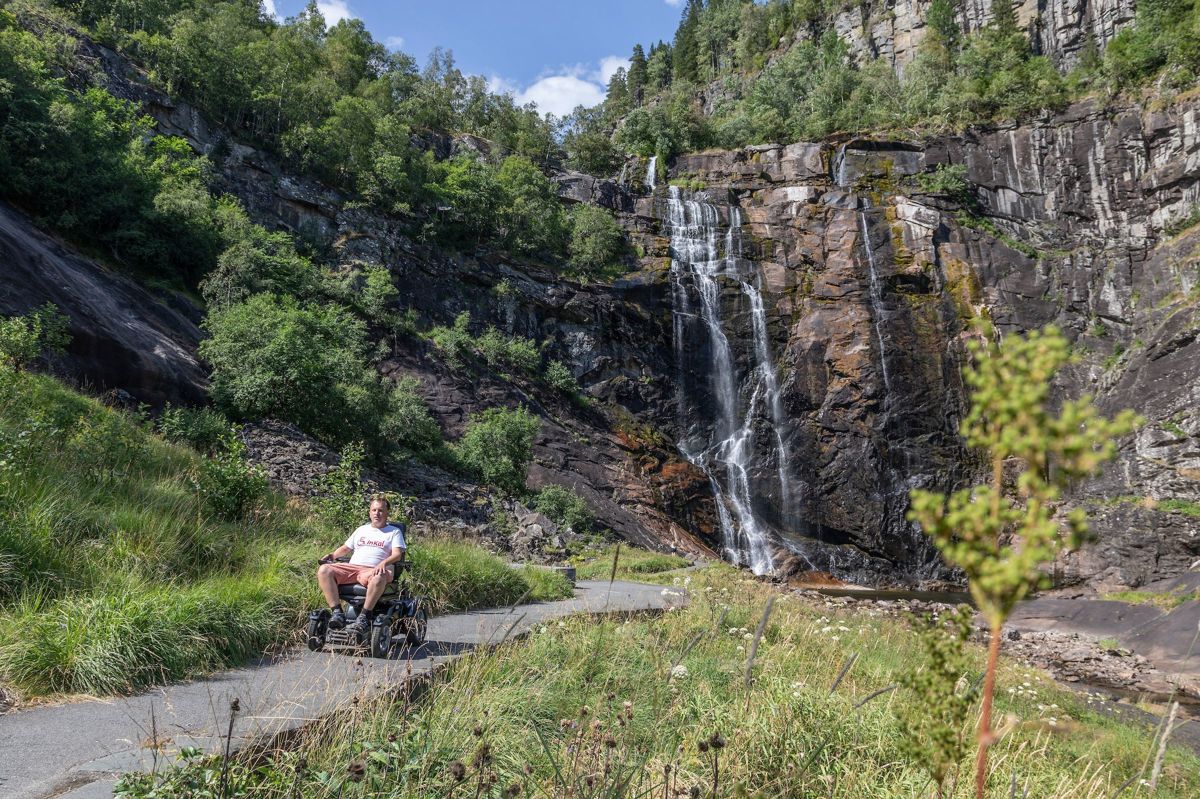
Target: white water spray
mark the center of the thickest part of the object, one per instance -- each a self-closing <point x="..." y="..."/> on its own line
<point x="652" y="173"/>
<point x="876" y="295"/>
<point x="727" y="457"/>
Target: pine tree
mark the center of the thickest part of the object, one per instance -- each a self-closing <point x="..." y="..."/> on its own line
<point x="635" y="79"/>
<point x="686" y="46"/>
<point x="940" y="20"/>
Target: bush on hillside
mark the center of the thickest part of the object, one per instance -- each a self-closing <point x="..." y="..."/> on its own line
<point x="500" y="350"/>
<point x="202" y="429"/>
<point x="455" y="341"/>
<point x="306" y="364"/>
<point x="231" y="486"/>
<point x="24" y="338"/>
<point x="498" y="446"/>
<point x="560" y="378"/>
<point x="564" y="506"/>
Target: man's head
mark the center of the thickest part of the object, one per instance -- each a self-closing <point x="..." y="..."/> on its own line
<point x="380" y="507"/>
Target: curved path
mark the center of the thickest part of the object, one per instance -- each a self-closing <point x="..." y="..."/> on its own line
<point x="76" y="750"/>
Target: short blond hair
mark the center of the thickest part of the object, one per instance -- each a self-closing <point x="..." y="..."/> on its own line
<point x="382" y="498"/>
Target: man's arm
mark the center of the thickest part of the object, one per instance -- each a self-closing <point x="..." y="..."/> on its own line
<point x="340" y="552"/>
<point x="396" y="556"/>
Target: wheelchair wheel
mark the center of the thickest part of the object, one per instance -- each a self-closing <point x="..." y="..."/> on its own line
<point x="314" y="633"/>
<point x="417" y="627"/>
<point x="381" y="639"/>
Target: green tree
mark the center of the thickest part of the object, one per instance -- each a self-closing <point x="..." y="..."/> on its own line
<point x="596" y="238"/>
<point x="1001" y="533"/>
<point x="635" y="78"/>
<point x="272" y="356"/>
<point x="498" y="446"/>
<point x="531" y="215"/>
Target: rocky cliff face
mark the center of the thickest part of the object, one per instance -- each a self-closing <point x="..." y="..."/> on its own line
<point x="784" y="366"/>
<point x="1059" y="29"/>
<point x="867" y="287"/>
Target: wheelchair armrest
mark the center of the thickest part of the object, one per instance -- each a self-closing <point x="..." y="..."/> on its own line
<point x="402" y="566"/>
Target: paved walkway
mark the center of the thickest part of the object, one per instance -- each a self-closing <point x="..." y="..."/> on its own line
<point x="76" y="750"/>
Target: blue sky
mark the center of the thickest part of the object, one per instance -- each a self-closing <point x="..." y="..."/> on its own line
<point x="556" y="53"/>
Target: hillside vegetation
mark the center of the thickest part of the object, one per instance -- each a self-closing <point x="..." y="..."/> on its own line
<point x="664" y="707"/>
<point x="126" y="560"/>
<point x="781" y="73"/>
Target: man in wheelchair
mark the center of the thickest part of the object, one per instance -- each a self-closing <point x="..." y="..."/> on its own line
<point x="373" y="549"/>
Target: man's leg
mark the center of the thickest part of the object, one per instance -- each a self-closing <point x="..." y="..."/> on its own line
<point x="327" y="579"/>
<point x="375" y="588"/>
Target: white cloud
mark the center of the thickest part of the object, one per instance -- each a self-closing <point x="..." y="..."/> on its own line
<point x="272" y="12"/>
<point x="394" y="42"/>
<point x="335" y="11"/>
<point x="559" y="94"/>
<point x="609" y="65"/>
<point x="672" y="2"/>
<point x="560" y="91"/>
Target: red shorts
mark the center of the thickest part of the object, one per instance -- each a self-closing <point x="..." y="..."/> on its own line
<point x="345" y="574"/>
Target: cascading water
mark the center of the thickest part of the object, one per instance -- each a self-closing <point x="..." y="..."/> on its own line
<point x="652" y="173"/>
<point x="876" y="295"/>
<point x="726" y="453"/>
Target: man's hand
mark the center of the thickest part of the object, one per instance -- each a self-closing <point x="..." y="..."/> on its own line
<point x="326" y="559"/>
<point x="380" y="571"/>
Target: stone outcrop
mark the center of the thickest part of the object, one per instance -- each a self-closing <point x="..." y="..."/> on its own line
<point x="123" y="337"/>
<point x="1060" y="29"/>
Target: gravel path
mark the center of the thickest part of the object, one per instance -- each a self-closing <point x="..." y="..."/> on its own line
<point x="76" y="750"/>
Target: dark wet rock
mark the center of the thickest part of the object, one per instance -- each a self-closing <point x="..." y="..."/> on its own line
<point x="123" y="337"/>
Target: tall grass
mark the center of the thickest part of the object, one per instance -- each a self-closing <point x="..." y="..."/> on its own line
<point x="116" y="573"/>
<point x="633" y="564"/>
<point x="616" y="708"/>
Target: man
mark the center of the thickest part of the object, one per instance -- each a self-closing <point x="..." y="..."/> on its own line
<point x="373" y="549"/>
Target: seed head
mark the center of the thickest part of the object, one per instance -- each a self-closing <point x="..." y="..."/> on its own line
<point x="514" y="789"/>
<point x="610" y="742"/>
<point x="356" y="771"/>
<point x="702" y="746"/>
<point x="458" y="771"/>
<point x="391" y="737"/>
<point x="694" y="792"/>
<point x="483" y="756"/>
<point x="235" y="705"/>
<point x="478" y="731"/>
<point x="717" y="741"/>
<point x="585" y="710"/>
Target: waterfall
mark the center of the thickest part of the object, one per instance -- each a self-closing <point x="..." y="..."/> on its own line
<point x="876" y="295"/>
<point x="728" y="454"/>
<point x="652" y="173"/>
<point x="621" y="177"/>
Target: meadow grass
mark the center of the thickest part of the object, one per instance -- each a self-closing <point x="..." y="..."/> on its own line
<point x="661" y="707"/>
<point x="632" y="564"/>
<point x="1166" y="601"/>
<point x="116" y="574"/>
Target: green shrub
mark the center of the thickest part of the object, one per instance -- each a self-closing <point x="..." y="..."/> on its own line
<point x="499" y="350"/>
<point x="202" y="429"/>
<point x="231" y="486"/>
<point x="341" y="500"/>
<point x="24" y="338"/>
<point x="455" y="342"/>
<point x="498" y="446"/>
<point x="560" y="378"/>
<point x="532" y="216"/>
<point x="545" y="585"/>
<point x="305" y="364"/>
<point x="565" y="507"/>
<point x="596" y="238"/>
<point x="407" y="423"/>
<point x="948" y="179"/>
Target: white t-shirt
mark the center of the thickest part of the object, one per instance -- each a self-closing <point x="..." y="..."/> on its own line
<point x="372" y="544"/>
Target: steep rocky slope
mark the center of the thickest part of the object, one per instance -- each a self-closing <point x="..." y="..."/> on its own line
<point x="784" y="366"/>
<point x="867" y="287"/>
